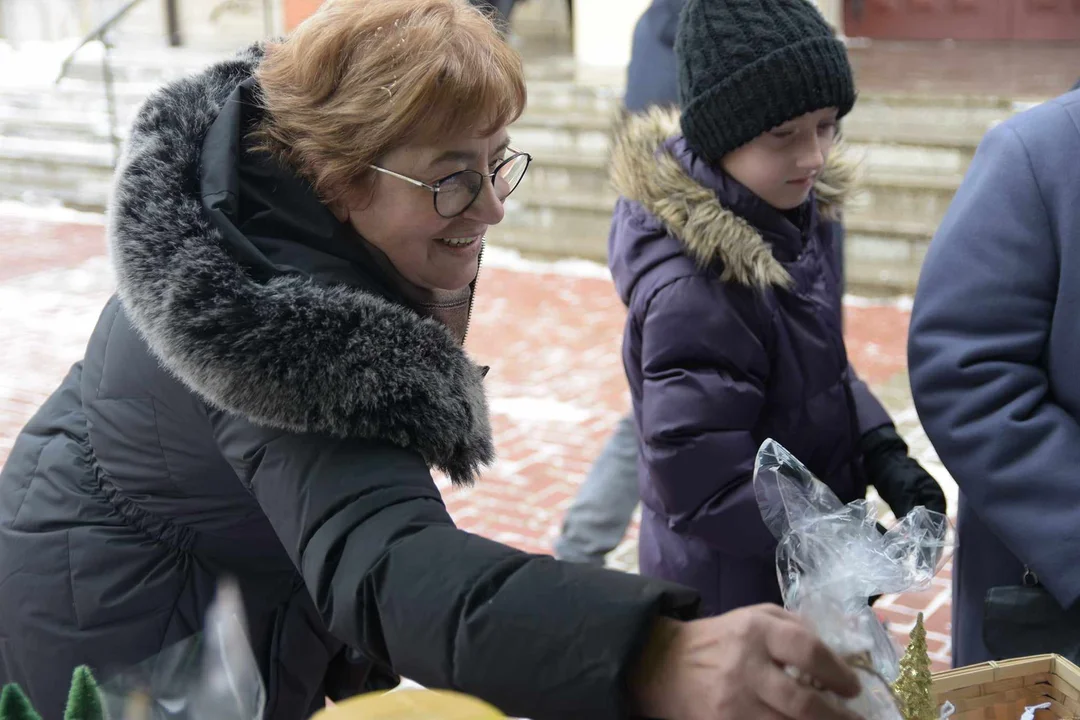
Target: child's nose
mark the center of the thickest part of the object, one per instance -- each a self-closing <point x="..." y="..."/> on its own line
<point x="812" y="155"/>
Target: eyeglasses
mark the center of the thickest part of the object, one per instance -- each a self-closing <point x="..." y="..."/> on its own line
<point x="456" y="193"/>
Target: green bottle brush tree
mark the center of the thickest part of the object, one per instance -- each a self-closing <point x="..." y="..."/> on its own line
<point x="84" y="700"/>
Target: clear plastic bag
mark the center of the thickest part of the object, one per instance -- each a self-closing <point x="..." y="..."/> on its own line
<point x="210" y="676"/>
<point x="831" y="559"/>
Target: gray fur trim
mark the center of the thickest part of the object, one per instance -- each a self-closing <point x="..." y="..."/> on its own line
<point x="287" y="353"/>
<point x="641" y="172"/>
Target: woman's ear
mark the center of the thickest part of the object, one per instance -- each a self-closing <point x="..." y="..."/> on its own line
<point x="357" y="197"/>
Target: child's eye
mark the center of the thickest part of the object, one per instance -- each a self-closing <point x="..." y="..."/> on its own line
<point x="782" y="134"/>
<point x="827" y="128"/>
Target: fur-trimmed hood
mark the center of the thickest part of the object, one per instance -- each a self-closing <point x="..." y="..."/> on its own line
<point x="298" y="351"/>
<point x="643" y="170"/>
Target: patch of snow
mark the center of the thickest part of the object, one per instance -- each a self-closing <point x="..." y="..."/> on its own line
<point x="507" y="259"/>
<point x="37" y="63"/>
<point x="47" y="318"/>
<point x="902" y="302"/>
<point x="99" y="153"/>
<point x="52" y="212"/>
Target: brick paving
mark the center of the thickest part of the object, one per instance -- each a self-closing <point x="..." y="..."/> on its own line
<point x="550" y="332"/>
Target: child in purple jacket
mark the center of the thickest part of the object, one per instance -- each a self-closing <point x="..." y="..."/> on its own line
<point x="723" y="248"/>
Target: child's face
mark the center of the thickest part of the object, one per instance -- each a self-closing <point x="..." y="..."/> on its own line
<point x="780" y="166"/>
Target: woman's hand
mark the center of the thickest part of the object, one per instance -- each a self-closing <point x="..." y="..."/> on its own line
<point x="733" y="666"/>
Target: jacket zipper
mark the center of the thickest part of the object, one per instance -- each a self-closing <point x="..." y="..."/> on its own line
<point x="472" y="295"/>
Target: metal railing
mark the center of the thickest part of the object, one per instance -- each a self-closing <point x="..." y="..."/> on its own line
<point x="101" y="32"/>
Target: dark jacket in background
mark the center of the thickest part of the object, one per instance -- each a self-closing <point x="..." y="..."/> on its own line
<point x="993" y="355"/>
<point x="733" y="336"/>
<point x="501" y="8"/>
<point x="652" y="76"/>
<point x="258" y="403"/>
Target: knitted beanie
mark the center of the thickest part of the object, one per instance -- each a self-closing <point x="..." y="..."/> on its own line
<point x="746" y="66"/>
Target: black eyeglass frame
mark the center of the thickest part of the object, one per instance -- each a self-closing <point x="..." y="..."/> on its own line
<point x="435" y="186"/>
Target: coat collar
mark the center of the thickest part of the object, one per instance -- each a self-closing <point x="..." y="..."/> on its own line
<point x="280" y="326"/>
<point x="645" y="169"/>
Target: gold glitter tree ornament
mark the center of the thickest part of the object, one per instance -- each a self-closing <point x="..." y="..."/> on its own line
<point x="913" y="685"/>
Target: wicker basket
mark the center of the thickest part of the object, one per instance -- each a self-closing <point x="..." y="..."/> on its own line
<point x="1001" y="690"/>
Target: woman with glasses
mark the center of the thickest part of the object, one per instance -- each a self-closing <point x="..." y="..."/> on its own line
<point x="296" y="237"/>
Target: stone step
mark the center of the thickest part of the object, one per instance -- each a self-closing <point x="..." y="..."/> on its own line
<point x="925" y="131"/>
<point x="925" y="149"/>
<point x="883" y="255"/>
<point x="883" y="112"/>
<point x="897" y="198"/>
<point x="88" y="127"/>
<point x="56" y="152"/>
<point x="883" y="196"/>
<point x="593" y="215"/>
<point x="882" y="259"/>
<point x="78" y="174"/>
<point x="72" y="99"/>
<point x="154" y="65"/>
<point x="913" y="153"/>
<point x="905" y="152"/>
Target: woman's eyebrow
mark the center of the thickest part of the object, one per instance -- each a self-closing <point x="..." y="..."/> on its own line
<point x="465" y="156"/>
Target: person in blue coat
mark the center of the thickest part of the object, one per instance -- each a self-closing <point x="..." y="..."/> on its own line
<point x="993" y="353"/>
<point x="597" y="519"/>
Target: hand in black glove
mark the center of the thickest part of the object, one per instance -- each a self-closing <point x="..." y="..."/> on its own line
<point x="900" y="480"/>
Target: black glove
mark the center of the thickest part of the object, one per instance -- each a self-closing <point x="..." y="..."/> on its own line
<point x="899" y="479"/>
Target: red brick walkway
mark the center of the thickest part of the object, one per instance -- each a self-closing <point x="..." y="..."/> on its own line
<point x="551" y="334"/>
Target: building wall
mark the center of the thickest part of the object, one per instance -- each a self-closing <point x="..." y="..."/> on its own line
<point x="297" y="10"/>
<point x="603" y="30"/>
<point x="833" y="10"/>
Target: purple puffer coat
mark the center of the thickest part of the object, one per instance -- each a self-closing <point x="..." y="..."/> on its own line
<point x="733" y="336"/>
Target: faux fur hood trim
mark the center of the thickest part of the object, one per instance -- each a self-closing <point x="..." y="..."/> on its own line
<point x="287" y="353"/>
<point x="642" y="170"/>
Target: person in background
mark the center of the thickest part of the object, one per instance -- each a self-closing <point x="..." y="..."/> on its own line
<point x="601" y="511"/>
<point x="296" y="235"/>
<point x="993" y="353"/>
<point x="723" y="247"/>
<point x="498" y="10"/>
<point x="603" y="508"/>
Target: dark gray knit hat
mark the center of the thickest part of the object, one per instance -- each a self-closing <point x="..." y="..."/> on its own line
<point x="746" y="66"/>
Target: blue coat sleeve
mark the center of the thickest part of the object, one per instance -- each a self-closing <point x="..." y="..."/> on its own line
<point x="979" y="330"/>
<point x="704" y="368"/>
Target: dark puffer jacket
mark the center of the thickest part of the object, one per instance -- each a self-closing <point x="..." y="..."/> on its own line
<point x="257" y="402"/>
<point x="733" y="336"/>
